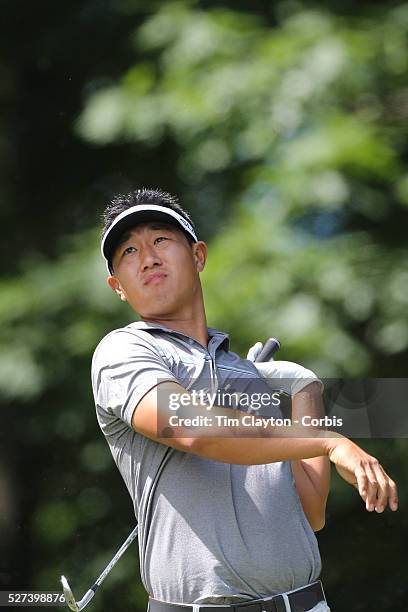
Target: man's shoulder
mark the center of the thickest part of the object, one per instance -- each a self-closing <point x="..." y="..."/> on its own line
<point x="120" y="339"/>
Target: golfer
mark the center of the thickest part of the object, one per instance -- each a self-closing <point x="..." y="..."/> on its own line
<point x="226" y="511"/>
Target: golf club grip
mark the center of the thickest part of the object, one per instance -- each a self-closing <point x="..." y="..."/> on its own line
<point x="271" y="346"/>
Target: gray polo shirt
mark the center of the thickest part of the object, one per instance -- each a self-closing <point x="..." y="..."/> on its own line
<point x="207" y="530"/>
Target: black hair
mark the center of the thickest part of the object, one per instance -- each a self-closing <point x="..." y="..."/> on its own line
<point x="122" y="202"/>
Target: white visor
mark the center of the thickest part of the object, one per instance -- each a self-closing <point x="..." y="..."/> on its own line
<point x="141" y="213"/>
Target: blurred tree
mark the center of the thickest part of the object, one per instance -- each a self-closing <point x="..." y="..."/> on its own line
<point x="284" y="130"/>
<point x="303" y="129"/>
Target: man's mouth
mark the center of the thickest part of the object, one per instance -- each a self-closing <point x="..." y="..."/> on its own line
<point x="154" y="278"/>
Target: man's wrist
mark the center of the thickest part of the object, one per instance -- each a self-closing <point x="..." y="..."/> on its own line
<point x="330" y="440"/>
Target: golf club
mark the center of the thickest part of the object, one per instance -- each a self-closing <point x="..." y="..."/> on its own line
<point x="272" y="345"/>
<point x="76" y="606"/>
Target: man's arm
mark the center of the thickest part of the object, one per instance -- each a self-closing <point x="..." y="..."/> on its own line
<point x="312" y="476"/>
<point x="232" y="444"/>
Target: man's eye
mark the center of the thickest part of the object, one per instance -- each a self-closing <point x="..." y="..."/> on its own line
<point x="129" y="249"/>
<point x="160" y="239"/>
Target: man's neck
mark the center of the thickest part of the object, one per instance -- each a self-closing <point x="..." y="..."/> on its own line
<point x="189" y="320"/>
<point x="194" y="326"/>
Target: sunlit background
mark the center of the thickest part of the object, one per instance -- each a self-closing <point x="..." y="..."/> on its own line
<point x="283" y="128"/>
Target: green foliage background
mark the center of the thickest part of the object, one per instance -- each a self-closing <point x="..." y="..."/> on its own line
<point x="283" y="128"/>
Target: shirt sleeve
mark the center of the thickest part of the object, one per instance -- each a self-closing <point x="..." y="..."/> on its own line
<point x="126" y="366"/>
<point x="292" y="377"/>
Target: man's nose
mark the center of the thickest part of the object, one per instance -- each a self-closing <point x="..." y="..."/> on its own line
<point x="149" y="257"/>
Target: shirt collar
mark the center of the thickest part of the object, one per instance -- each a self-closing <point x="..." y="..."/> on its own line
<point x="222" y="336"/>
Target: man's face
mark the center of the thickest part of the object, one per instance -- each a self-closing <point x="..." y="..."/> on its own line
<point x="156" y="270"/>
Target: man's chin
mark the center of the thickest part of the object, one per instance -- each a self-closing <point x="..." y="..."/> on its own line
<point x="161" y="309"/>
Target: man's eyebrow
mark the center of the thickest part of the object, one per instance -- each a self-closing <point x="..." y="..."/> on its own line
<point x="158" y="225"/>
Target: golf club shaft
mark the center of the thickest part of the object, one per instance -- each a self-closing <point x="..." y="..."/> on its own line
<point x="122" y="549"/>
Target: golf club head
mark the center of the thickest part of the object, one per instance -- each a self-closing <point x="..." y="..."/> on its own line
<point x="69" y="596"/>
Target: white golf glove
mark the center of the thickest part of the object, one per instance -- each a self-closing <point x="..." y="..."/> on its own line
<point x="254" y="351"/>
<point x="292" y="376"/>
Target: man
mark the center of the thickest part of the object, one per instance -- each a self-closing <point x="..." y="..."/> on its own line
<point x="224" y="515"/>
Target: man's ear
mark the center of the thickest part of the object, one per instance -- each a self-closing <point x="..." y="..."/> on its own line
<point x="200" y="255"/>
<point x="115" y="285"/>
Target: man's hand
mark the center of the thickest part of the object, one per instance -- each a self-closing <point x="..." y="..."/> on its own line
<point x="365" y="473"/>
<point x="254" y="351"/>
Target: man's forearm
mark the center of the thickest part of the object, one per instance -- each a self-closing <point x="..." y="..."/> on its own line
<point x="253" y="451"/>
<point x="311" y="475"/>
